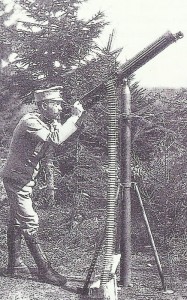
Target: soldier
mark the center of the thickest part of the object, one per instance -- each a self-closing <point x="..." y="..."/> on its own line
<point x="31" y="138"/>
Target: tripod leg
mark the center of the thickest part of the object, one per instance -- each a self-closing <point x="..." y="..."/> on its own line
<point x="160" y="271"/>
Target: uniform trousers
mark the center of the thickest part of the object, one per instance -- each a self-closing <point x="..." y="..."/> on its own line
<point x="21" y="209"/>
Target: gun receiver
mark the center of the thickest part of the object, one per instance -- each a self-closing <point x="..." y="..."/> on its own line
<point x="136" y="62"/>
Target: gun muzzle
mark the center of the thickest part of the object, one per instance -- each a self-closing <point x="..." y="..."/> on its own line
<point x="178" y="35"/>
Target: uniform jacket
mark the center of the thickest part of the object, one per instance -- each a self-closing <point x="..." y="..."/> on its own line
<point x="30" y="140"/>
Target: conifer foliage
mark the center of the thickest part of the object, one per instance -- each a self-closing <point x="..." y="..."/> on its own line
<point x="50" y="41"/>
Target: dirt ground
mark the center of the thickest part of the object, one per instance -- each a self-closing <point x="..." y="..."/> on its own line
<point x="145" y="286"/>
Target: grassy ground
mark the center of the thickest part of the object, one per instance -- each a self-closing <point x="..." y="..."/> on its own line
<point x="147" y="284"/>
<point x="70" y="245"/>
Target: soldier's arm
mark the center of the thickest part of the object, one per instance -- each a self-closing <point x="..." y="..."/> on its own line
<point x="63" y="131"/>
<point x="59" y="132"/>
<point x="57" y="135"/>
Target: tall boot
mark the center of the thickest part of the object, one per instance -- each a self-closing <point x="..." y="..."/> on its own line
<point x="45" y="272"/>
<point x="16" y="266"/>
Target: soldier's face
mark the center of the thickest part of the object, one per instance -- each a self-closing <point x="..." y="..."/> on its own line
<point x="52" y="110"/>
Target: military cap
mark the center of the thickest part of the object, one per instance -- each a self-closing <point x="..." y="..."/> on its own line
<point x="51" y="94"/>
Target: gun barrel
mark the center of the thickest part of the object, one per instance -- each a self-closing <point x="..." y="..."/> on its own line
<point x="138" y="61"/>
<point x="147" y="54"/>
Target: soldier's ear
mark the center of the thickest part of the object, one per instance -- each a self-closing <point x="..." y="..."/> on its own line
<point x="44" y="105"/>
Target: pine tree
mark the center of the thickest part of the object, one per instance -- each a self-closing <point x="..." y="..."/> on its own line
<point x="53" y="41"/>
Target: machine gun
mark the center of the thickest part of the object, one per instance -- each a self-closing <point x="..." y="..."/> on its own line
<point x="89" y="99"/>
<point x="132" y="65"/>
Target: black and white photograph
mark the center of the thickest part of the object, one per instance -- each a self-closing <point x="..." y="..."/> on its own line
<point x="93" y="149"/>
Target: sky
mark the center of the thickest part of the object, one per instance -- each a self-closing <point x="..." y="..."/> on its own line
<point x="137" y="23"/>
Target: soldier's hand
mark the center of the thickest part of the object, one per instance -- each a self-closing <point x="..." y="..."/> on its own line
<point x="77" y="109"/>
